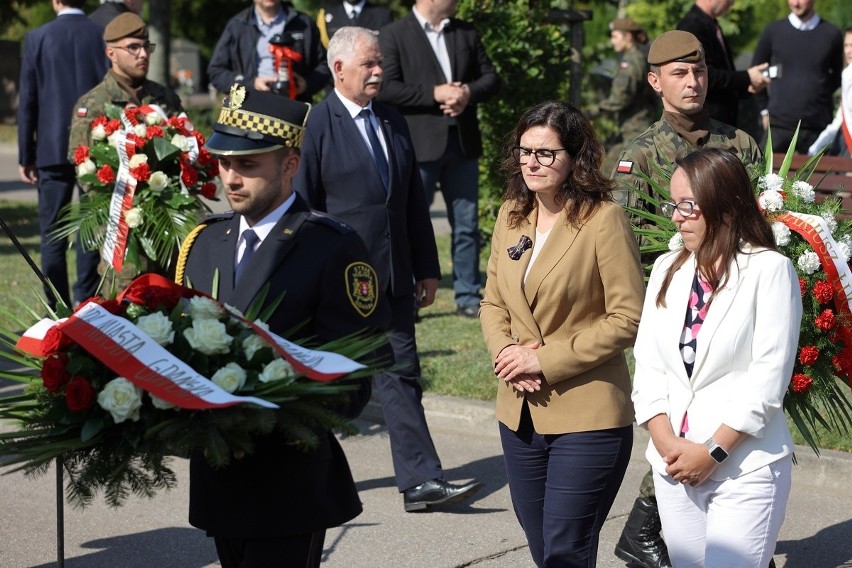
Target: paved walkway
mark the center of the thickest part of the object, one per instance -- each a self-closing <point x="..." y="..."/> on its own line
<point x="484" y="533"/>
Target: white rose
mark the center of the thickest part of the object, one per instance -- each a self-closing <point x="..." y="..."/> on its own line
<point x="782" y="233"/>
<point x="133" y="216"/>
<point x="87" y="167"/>
<point x="845" y="250"/>
<point x="676" y="242"/>
<point x="158" y="327"/>
<point x="276" y="370"/>
<point x="160" y="403"/>
<point x="772" y="182"/>
<point x="809" y="262"/>
<point x="140" y="130"/>
<point x="804" y="190"/>
<point x="181" y="142"/>
<point x="204" y="308"/>
<point x="230" y="378"/>
<point x="252" y="344"/>
<point x="153" y="118"/>
<point x="829" y="220"/>
<point x="208" y="336"/>
<point x="771" y="200"/>
<point x="98" y="132"/>
<point x="122" y="399"/>
<point x="138" y="160"/>
<point x="158" y="181"/>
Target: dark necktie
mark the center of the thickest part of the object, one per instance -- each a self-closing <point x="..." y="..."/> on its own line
<point x="353" y="16"/>
<point x="251" y="241"/>
<point x="378" y="153"/>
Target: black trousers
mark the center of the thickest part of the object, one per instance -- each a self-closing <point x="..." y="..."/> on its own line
<point x="297" y="551"/>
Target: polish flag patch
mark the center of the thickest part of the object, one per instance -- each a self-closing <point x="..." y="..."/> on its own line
<point x="624" y="167"/>
<point x="82" y="112"/>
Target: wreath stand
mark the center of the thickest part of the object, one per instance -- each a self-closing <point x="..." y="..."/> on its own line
<point x="60" y="516"/>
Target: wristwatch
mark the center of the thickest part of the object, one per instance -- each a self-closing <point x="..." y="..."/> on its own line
<point x="717" y="452"/>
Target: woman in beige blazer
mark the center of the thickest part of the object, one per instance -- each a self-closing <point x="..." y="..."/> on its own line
<point x="562" y="302"/>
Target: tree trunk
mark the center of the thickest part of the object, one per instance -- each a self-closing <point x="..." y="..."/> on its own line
<point x="159" y="24"/>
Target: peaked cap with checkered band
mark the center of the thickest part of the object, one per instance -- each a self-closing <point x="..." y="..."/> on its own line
<point x="253" y="122"/>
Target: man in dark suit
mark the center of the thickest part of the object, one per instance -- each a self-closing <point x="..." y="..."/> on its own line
<point x="726" y="85"/>
<point x="362" y="14"/>
<point x="358" y="164"/>
<point x="436" y="71"/>
<point x="272" y="508"/>
<point x="61" y="60"/>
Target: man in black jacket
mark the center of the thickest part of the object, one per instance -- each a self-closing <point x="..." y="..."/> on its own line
<point x="242" y="56"/>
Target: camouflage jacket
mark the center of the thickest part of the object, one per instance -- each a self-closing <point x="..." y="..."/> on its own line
<point x="630" y="96"/>
<point x="661" y="145"/>
<point x="93" y="104"/>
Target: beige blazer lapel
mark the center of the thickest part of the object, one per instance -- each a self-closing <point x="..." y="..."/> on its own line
<point x="551" y="253"/>
<point x="516" y="301"/>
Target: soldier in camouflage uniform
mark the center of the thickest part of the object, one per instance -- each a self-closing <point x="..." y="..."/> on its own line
<point x="128" y="50"/>
<point x="678" y="73"/>
<point x="631" y="98"/>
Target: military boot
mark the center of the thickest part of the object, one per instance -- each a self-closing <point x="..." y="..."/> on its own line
<point x="640" y="544"/>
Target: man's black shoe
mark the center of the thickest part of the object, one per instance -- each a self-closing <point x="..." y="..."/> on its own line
<point x="468" y="312"/>
<point x="437" y="492"/>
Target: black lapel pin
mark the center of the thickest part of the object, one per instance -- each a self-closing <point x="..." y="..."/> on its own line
<point x="516" y="251"/>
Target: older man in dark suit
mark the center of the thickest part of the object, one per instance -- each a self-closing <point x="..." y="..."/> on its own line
<point x="272" y="508"/>
<point x="436" y="71"/>
<point x="61" y="60"/>
<point x="358" y="164"/>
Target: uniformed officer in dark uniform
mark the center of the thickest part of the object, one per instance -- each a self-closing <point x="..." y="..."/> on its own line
<point x="631" y="99"/>
<point x="126" y="82"/>
<point x="272" y="508"/>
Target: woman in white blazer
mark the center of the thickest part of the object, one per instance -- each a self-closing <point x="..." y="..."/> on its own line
<point x="714" y="355"/>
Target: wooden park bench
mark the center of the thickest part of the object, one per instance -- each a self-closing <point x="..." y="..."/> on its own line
<point x="832" y="177"/>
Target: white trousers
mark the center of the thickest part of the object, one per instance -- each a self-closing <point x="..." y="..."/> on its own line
<point x="725" y="524"/>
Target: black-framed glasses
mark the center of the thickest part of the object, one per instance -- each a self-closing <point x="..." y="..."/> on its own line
<point x="686" y="208"/>
<point x="544" y="156"/>
<point x="134" y="48"/>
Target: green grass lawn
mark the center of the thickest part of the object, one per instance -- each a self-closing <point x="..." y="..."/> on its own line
<point x="452" y="353"/>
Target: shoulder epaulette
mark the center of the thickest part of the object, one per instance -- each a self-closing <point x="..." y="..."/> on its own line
<point x="213" y="218"/>
<point x="330" y="221"/>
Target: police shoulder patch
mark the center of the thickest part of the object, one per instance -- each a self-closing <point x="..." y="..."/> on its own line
<point x="330" y="221"/>
<point x="362" y="286"/>
<point x="219" y="217"/>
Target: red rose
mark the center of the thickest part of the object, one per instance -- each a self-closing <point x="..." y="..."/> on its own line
<point x="808" y="355"/>
<point x="55" y="341"/>
<point x="208" y="190"/>
<point x="823" y="291"/>
<point x="81" y="154"/>
<point x="189" y="175"/>
<point x="112" y="126"/>
<point x="803" y="286"/>
<point x="152" y="296"/>
<point x="154" y="132"/>
<point x="801" y="383"/>
<point x="825" y="321"/>
<point x="141" y="172"/>
<point x="79" y="395"/>
<point x="53" y="373"/>
<point x="105" y="174"/>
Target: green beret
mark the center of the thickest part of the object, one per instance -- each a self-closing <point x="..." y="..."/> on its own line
<point x="127" y="24"/>
<point x="675" y="46"/>
<point x="624" y="25"/>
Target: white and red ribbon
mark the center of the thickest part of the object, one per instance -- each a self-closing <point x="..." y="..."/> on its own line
<point x="115" y="237"/>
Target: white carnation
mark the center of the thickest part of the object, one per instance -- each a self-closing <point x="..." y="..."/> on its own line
<point x="804" y="190"/>
<point x="201" y="308"/>
<point x="153" y="118"/>
<point x="771" y="200"/>
<point x="160" y="403"/>
<point x="276" y="370"/>
<point x="113" y="139"/>
<point x="122" y="399"/>
<point x="181" y="142"/>
<point x="133" y="216"/>
<point x="98" y="132"/>
<point x="158" y="327"/>
<point x="676" y="242"/>
<point x="230" y="378"/>
<point x="772" y="182"/>
<point x="809" y="262"/>
<point x="158" y="181"/>
<point x="140" y="130"/>
<point x="208" y="336"/>
<point x="844" y="250"/>
<point x="847" y="238"/>
<point x="782" y="233"/>
<point x="829" y="220"/>
<point x="138" y="160"/>
<point x="85" y="168"/>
